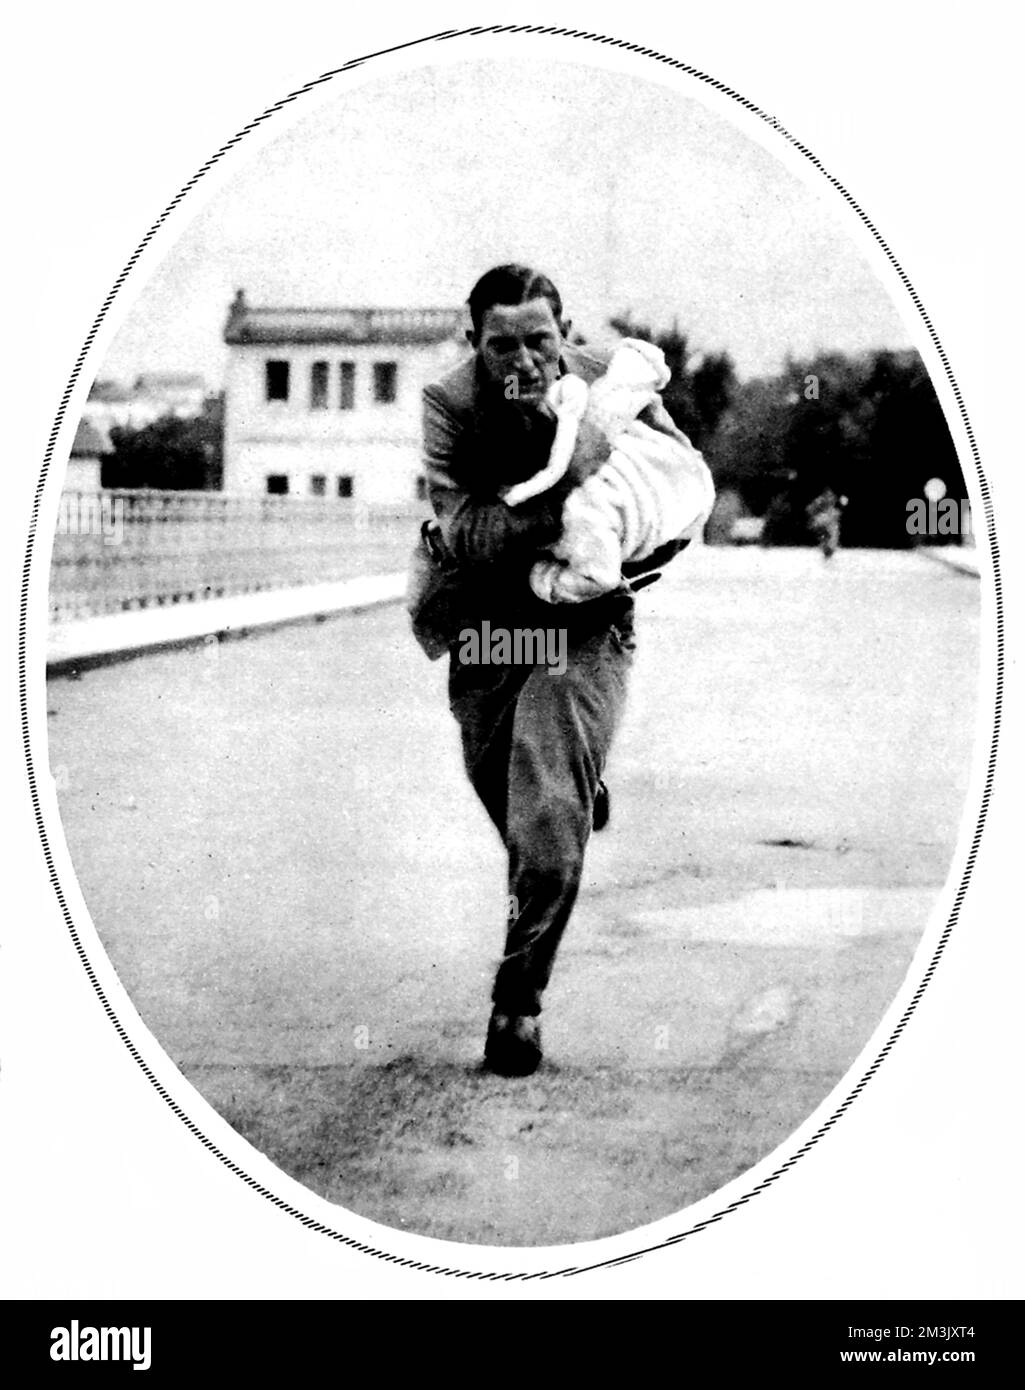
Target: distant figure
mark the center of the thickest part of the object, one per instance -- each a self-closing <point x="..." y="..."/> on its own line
<point x="823" y="516"/>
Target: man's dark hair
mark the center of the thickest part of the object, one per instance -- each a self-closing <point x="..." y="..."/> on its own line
<point x="511" y="284"/>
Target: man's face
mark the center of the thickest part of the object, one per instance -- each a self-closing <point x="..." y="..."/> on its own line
<point x="519" y="346"/>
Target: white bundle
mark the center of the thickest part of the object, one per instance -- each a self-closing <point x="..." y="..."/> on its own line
<point x="651" y="490"/>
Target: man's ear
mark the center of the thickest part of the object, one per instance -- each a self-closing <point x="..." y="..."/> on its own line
<point x="564" y="328"/>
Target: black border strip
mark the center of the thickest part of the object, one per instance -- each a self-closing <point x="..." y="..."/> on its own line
<point x="279" y="1202"/>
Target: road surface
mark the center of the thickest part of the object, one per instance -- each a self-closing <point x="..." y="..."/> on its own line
<point x="305" y="902"/>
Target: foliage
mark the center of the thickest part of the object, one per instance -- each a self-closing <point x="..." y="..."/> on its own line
<point x="870" y="428"/>
<point x="170" y="453"/>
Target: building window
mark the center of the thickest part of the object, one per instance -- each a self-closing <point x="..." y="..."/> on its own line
<point x="318" y="386"/>
<point x="277" y="381"/>
<point x="277" y="484"/>
<point x="385" y="375"/>
<point x="318" y="485"/>
<point x="421" y="488"/>
<point x="344" y="485"/>
<point x="347" y="386"/>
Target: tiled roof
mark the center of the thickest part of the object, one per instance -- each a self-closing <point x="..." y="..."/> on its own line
<point x="260" y="324"/>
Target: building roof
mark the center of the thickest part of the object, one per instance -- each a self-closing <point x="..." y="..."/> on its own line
<point x="90" y="442"/>
<point x="109" y="392"/>
<point x="263" y="324"/>
<point x="157" y="383"/>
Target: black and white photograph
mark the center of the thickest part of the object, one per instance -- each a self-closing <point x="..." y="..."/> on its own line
<point x="517" y="602"/>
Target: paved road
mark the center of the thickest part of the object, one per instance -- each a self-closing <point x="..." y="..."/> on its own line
<point x="304" y="900"/>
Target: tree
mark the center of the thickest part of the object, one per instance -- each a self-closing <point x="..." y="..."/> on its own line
<point x="746" y="452"/>
<point x="868" y="428"/>
<point x="171" y="453"/>
<point x="701" y="385"/>
<point x="907" y="442"/>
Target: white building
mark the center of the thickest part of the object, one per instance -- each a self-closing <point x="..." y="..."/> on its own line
<point x="326" y="402"/>
<point x="86" y="461"/>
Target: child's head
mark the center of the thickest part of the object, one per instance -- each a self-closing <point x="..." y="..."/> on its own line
<point x="636" y="373"/>
<point x="638" y="363"/>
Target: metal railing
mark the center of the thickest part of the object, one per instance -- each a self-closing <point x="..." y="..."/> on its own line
<point x="122" y="551"/>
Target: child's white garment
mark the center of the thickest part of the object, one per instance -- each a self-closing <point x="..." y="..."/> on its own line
<point x="651" y="490"/>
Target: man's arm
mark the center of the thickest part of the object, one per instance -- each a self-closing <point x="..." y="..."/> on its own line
<point x="475" y="527"/>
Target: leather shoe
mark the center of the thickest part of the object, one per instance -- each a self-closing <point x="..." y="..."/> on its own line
<point x="513" y="1045"/>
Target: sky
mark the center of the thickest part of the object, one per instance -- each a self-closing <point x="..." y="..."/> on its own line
<point x="632" y="197"/>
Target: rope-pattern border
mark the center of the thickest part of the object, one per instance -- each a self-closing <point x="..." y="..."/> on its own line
<point x="308" y="1221"/>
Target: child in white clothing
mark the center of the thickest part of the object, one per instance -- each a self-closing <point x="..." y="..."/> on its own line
<point x="651" y="490"/>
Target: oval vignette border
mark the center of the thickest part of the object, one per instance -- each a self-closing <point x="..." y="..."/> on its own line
<point x="310" y="1222"/>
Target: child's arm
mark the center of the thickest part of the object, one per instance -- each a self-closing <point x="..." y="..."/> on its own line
<point x="567" y="398"/>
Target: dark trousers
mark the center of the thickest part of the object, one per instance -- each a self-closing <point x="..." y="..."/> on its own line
<point x="535" y="746"/>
